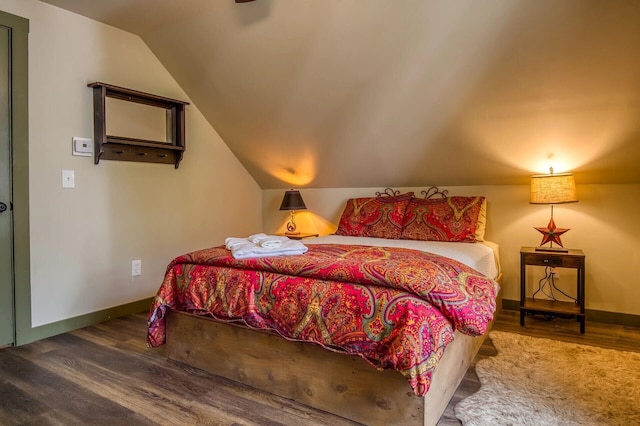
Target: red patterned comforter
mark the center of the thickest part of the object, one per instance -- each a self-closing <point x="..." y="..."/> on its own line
<point x="397" y="308"/>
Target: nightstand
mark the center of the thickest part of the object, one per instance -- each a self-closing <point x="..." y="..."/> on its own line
<point x="299" y="236"/>
<point x="571" y="259"/>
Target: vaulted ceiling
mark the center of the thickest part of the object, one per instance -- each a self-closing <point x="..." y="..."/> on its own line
<point x="360" y="93"/>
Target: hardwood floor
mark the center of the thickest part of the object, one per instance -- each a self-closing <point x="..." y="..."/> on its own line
<point x="106" y="375"/>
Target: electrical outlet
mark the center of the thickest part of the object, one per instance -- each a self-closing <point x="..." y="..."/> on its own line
<point x="556" y="273"/>
<point x="68" y="179"/>
<point x="136" y="268"/>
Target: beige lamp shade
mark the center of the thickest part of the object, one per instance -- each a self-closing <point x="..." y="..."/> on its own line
<point x="553" y="189"/>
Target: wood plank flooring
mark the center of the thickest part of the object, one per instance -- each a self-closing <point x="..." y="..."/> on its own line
<point x="106" y="375"/>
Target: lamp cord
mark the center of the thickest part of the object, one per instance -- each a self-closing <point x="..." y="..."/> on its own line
<point x="547" y="285"/>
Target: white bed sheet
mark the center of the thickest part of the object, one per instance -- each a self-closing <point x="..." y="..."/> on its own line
<point x="481" y="256"/>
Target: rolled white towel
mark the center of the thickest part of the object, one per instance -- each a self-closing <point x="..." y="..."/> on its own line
<point x="267" y="241"/>
<point x="271" y="243"/>
<point x="256" y="238"/>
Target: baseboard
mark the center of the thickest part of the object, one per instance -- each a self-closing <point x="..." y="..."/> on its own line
<point x="627" y="320"/>
<point x="606" y="317"/>
<point x="59" y="327"/>
<point x="510" y="305"/>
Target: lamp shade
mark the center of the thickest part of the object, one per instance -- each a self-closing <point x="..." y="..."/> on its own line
<point x="292" y="201"/>
<point x="553" y="189"/>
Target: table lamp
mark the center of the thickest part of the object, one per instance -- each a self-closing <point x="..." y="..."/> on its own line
<point x="292" y="201"/>
<point x="553" y="189"/>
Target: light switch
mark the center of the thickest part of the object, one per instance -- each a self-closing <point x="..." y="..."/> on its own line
<point x="68" y="179"/>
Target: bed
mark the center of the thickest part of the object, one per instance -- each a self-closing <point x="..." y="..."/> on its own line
<point x="376" y="324"/>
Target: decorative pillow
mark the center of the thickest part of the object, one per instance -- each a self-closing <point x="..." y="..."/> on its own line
<point x="482" y="222"/>
<point x="374" y="216"/>
<point x="452" y="219"/>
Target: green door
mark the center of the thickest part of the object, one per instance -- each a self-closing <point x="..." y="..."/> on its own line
<point x="7" y="327"/>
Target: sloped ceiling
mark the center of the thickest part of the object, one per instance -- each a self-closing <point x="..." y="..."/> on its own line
<point x="374" y="93"/>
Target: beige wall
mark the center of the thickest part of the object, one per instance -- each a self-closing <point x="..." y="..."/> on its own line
<point x="604" y="223"/>
<point x="84" y="239"/>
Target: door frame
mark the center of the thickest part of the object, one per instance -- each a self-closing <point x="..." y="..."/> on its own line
<point x="20" y="172"/>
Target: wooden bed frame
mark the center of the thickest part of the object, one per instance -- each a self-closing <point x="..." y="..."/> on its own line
<point x="342" y="384"/>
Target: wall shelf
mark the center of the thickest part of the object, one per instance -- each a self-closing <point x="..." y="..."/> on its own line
<point x="111" y="147"/>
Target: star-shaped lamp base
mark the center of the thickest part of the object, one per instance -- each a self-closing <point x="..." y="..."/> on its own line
<point x="551" y="234"/>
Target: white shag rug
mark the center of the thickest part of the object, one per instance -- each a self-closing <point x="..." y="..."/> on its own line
<point x="533" y="381"/>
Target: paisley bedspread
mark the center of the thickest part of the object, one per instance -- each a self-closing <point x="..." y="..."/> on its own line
<point x="397" y="308"/>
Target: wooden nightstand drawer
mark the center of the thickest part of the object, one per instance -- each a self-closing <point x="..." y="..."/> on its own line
<point x="543" y="260"/>
<point x="570" y="259"/>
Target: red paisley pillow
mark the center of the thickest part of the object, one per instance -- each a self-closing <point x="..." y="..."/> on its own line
<point x="452" y="219"/>
<point x="374" y="216"/>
